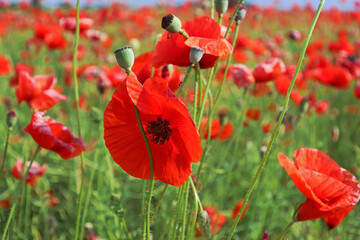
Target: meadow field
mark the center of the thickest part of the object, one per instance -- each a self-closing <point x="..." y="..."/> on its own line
<point x="179" y="122"/>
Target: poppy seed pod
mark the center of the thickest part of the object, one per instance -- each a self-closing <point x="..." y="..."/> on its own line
<point x="196" y="54"/>
<point x="240" y="15"/>
<point x="11" y="119"/>
<point x="125" y="58"/>
<point x="221" y="6"/>
<point x="171" y="23"/>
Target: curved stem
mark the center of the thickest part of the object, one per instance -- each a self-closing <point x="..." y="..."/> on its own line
<point x="76" y="94"/>
<point x="273" y="136"/>
<point x="152" y="179"/>
<point x="233" y="17"/>
<point x="184" y="81"/>
<point x="13" y="208"/>
<point x="285" y="230"/>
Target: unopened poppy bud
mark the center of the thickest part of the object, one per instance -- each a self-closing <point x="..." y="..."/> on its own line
<point x="204" y="222"/>
<point x="221" y="6"/>
<point x="125" y="58"/>
<point x="335" y="134"/>
<point x="304" y="105"/>
<point x="196" y="54"/>
<point x="171" y="23"/>
<point x="11" y="119"/>
<point x="240" y="15"/>
<point x="96" y="115"/>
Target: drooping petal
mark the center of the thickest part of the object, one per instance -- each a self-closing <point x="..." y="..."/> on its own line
<point x="216" y="47"/>
<point x="47" y="99"/>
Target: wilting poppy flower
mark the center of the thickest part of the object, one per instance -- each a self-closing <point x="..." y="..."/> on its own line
<point x="38" y="91"/>
<point x="269" y="70"/>
<point x="329" y="188"/>
<point x="5" y="66"/>
<point x="204" y="32"/>
<point x="237" y="209"/>
<point x="334" y="220"/>
<point x="217" y="220"/>
<point x="34" y="172"/>
<point x="173" y="138"/>
<point x="54" y="136"/>
<point x="242" y="75"/>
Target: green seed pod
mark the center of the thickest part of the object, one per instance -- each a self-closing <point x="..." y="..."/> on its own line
<point x="304" y="105"/>
<point x="125" y="58"/>
<point x="204" y="222"/>
<point x="196" y="54"/>
<point x="240" y="15"/>
<point x="221" y="6"/>
<point x="171" y="23"/>
<point x="11" y="119"/>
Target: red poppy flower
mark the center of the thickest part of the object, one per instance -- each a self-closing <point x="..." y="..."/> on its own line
<point x="215" y="127"/>
<point x="242" y="75"/>
<point x="5" y="66"/>
<point x="253" y="113"/>
<point x="173" y="138"/>
<point x="266" y="127"/>
<point x="226" y="131"/>
<point x="357" y="90"/>
<point x="204" y="32"/>
<point x="322" y="106"/>
<point x="20" y="67"/>
<point x="261" y="89"/>
<point x="333" y="75"/>
<point x="269" y="70"/>
<point x="35" y="171"/>
<point x="142" y="69"/>
<point x="38" y="91"/>
<point x="237" y="209"/>
<point x="54" y="136"/>
<point x="329" y="188"/>
<point x="217" y="220"/>
<point x="5" y="203"/>
<point x="334" y="220"/>
<point x="69" y="24"/>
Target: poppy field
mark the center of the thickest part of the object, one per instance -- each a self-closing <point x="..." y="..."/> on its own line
<point x="205" y="120"/>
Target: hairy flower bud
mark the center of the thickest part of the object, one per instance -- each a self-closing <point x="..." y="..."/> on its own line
<point x="11" y="119"/>
<point x="204" y="222"/>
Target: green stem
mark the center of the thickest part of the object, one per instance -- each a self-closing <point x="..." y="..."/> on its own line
<point x="224" y="77"/>
<point x="184" y="81"/>
<point x="76" y="94"/>
<point x="193" y="188"/>
<point x="212" y="9"/>
<point x="273" y="136"/>
<point x="143" y="202"/>
<point x="152" y="179"/>
<point x="192" y="227"/>
<point x="196" y="91"/>
<point x="159" y="201"/>
<point x="285" y="230"/>
<point x="13" y="208"/>
<point x="27" y="209"/>
<point x="178" y="207"/>
<point x="185" y="210"/>
<point x="88" y="193"/>
<point x="6" y="147"/>
<point x="232" y="18"/>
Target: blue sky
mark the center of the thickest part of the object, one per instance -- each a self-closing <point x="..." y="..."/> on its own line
<point x="283" y="3"/>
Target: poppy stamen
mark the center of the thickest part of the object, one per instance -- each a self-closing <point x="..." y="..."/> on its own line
<point x="158" y="131"/>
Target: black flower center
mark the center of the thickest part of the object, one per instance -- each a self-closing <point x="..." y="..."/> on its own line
<point x="158" y="131"/>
